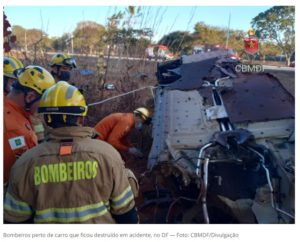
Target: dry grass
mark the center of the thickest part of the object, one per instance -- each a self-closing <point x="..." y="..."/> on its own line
<point x="126" y="75"/>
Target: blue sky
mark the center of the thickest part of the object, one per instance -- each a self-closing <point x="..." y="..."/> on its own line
<point x="56" y="20"/>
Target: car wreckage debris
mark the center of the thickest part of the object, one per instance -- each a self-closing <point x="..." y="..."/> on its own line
<point x="219" y="142"/>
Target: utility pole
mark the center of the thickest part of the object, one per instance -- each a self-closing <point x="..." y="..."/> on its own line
<point x="70" y="41"/>
<point x="72" y="46"/>
<point x="228" y="29"/>
<point x="26" y="41"/>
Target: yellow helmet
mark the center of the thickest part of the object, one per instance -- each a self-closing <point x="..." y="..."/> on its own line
<point x="63" y="59"/>
<point x="143" y="113"/>
<point x="251" y="32"/>
<point x="63" y="98"/>
<point x="11" y="65"/>
<point x="36" y="78"/>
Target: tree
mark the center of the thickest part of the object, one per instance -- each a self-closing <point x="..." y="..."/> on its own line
<point x="127" y="41"/>
<point x="132" y="42"/>
<point x="8" y="38"/>
<point x="30" y="39"/>
<point x="278" y="25"/>
<point x="205" y="34"/>
<point x="236" y="41"/>
<point x="269" y="49"/>
<point x="60" y="44"/>
<point x="88" y="36"/>
<point x="178" y="41"/>
<point x="19" y="32"/>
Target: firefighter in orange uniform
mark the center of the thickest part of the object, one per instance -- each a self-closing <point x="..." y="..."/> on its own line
<point x="115" y="129"/>
<point x="69" y="178"/>
<point x="19" y="104"/>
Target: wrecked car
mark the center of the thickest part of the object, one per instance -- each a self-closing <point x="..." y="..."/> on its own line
<point x="223" y="145"/>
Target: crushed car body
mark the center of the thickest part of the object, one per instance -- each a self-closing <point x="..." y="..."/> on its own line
<point x="223" y="145"/>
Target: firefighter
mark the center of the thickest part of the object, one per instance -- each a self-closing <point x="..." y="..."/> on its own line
<point x="101" y="68"/>
<point x="11" y="66"/>
<point x="61" y="66"/>
<point x="19" y="104"/>
<point x="70" y="178"/>
<point x="116" y="127"/>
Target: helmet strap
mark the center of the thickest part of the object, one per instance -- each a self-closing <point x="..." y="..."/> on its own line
<point x="5" y="83"/>
<point x="29" y="104"/>
<point x="49" y="118"/>
<point x="57" y="71"/>
<point x="141" y="115"/>
<point x="148" y="121"/>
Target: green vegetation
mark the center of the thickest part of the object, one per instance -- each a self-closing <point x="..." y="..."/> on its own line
<point x="275" y="29"/>
<point x="278" y="25"/>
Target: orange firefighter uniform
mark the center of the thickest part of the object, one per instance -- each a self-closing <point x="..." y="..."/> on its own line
<point x="115" y="129"/>
<point x="69" y="178"/>
<point x="19" y="135"/>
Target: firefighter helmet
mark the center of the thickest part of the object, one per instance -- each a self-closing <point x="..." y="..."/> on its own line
<point x="63" y="59"/>
<point x="143" y="113"/>
<point x="36" y="78"/>
<point x="10" y="66"/>
<point x="63" y="98"/>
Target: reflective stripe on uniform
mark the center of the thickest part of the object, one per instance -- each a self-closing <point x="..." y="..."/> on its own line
<point x="107" y="205"/>
<point x="12" y="204"/>
<point x="123" y="199"/>
<point x="69" y="215"/>
<point x="39" y="128"/>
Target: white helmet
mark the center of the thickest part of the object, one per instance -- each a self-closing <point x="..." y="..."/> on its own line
<point x="143" y="113"/>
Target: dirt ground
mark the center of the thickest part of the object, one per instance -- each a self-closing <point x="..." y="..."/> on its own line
<point x="126" y="75"/>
